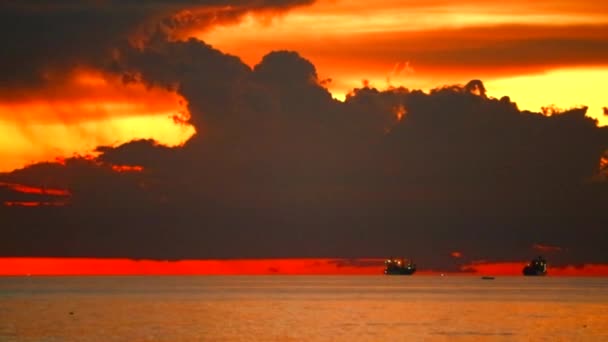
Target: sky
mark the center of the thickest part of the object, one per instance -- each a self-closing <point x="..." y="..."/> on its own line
<point x="465" y="135"/>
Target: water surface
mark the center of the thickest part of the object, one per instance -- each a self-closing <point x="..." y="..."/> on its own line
<point x="303" y="308"/>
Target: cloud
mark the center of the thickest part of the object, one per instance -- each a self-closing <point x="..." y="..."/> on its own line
<point x="42" y="38"/>
<point x="456" y="254"/>
<point x="280" y="169"/>
<point x="58" y="66"/>
<point x="456" y="51"/>
<point x="86" y="95"/>
<point x="34" y="190"/>
<point x="86" y="108"/>
<point x="19" y="195"/>
<point x="546" y="248"/>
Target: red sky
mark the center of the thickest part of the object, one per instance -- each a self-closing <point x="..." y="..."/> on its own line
<point x="91" y="266"/>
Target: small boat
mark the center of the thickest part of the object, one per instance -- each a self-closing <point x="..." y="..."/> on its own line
<point x="396" y="266"/>
<point x="536" y="267"/>
<point x="487" y="278"/>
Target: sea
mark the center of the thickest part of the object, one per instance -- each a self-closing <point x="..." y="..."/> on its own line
<point x="303" y="308"/>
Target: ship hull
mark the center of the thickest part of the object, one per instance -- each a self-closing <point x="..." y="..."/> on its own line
<point x="400" y="272"/>
<point x="536" y="267"/>
<point x="532" y="272"/>
<point x="399" y="266"/>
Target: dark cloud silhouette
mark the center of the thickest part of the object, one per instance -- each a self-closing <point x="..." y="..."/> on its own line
<point x="44" y="40"/>
<point x="280" y="169"/>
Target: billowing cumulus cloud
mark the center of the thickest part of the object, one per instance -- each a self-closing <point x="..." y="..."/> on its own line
<point x="58" y="66"/>
<point x="558" y="52"/>
<point x="280" y="169"/>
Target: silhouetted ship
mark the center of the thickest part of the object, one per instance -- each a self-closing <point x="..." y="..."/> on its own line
<point x="536" y="267"/>
<point x="399" y="267"/>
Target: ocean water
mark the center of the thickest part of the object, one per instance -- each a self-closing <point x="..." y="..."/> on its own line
<point x="303" y="308"/>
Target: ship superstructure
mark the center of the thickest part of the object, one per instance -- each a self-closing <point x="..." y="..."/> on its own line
<point x="536" y="267"/>
<point x="399" y="266"/>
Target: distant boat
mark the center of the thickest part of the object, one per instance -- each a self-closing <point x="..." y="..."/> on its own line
<point x="396" y="266"/>
<point x="487" y="278"/>
<point x="536" y="267"/>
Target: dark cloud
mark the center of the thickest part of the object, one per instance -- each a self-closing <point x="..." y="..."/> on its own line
<point x="476" y="48"/>
<point x="518" y="54"/>
<point x="280" y="169"/>
<point x="44" y="40"/>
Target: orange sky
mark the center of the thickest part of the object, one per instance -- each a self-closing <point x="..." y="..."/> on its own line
<point x="394" y="42"/>
<point x="417" y="45"/>
<point x="82" y="111"/>
<point x="91" y="266"/>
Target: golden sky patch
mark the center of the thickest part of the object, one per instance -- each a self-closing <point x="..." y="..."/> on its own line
<point x="86" y="111"/>
<point x="565" y="88"/>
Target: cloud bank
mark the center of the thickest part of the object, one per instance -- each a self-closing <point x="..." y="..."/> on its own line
<point x="278" y="168"/>
<point x="45" y="37"/>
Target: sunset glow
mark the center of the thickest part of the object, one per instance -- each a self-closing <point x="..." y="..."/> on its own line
<point x="34" y="190"/>
<point x="441" y="43"/>
<point x="34" y="204"/>
<point x="396" y="43"/>
<point x="127" y="168"/>
<point x="564" y="88"/>
<point x="320" y="266"/>
<point x="515" y="269"/>
<point x="90" y="266"/>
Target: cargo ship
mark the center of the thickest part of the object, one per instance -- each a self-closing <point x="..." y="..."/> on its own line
<point x="399" y="266"/>
<point x="536" y="267"/>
